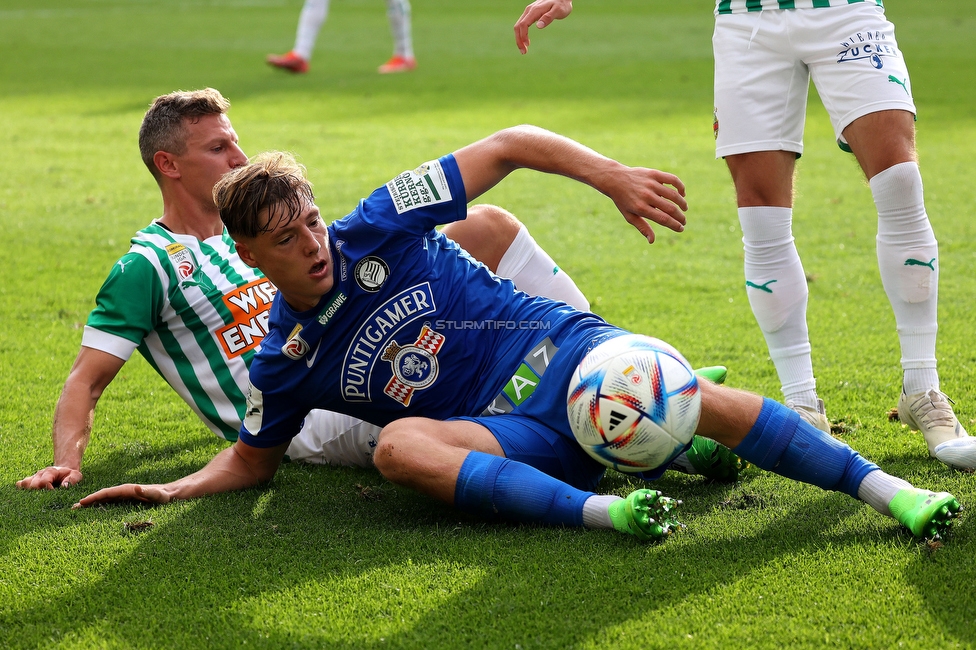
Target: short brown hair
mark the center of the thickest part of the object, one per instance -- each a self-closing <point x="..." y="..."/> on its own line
<point x="268" y="192"/>
<point x="164" y="125"/>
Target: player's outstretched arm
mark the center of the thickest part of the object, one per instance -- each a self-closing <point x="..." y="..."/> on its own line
<point x="235" y="468"/>
<point x="642" y="195"/>
<point x="540" y="13"/>
<point x="91" y="373"/>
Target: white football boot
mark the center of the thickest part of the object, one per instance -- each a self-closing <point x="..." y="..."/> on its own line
<point x="931" y="413"/>
<point x="815" y="416"/>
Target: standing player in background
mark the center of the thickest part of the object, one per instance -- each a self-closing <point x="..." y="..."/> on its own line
<point x="765" y="54"/>
<point x="314" y="13"/>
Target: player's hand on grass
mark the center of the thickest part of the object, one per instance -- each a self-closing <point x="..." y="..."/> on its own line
<point x="541" y="13"/>
<point x="50" y="478"/>
<point x="647" y="195"/>
<point x="125" y="493"/>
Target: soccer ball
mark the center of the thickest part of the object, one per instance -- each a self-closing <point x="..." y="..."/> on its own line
<point x="633" y="403"/>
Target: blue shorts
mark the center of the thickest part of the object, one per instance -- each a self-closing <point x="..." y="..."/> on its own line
<point x="537" y="432"/>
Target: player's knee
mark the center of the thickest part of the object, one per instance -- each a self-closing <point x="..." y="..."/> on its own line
<point x="486" y="233"/>
<point x="397" y="444"/>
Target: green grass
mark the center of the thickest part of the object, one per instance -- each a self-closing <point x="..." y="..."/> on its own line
<point x="340" y="558"/>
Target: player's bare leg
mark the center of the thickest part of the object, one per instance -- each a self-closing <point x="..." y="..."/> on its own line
<point x="461" y="463"/>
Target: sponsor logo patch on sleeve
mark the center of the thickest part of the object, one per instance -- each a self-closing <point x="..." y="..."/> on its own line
<point x="426" y="185"/>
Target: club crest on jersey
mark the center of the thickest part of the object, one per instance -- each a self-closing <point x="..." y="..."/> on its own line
<point x="376" y="334"/>
<point x="296" y="347"/>
<point x="370" y="273"/>
<point x="425" y="185"/>
<point x="414" y="366"/>
<point x="182" y="260"/>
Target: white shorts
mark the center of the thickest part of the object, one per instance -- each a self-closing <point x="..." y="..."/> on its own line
<point x="329" y="438"/>
<point x="764" y="61"/>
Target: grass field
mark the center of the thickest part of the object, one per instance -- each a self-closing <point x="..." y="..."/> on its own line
<point x="339" y="558"/>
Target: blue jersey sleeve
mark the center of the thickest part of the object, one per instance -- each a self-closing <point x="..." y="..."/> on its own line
<point x="417" y="200"/>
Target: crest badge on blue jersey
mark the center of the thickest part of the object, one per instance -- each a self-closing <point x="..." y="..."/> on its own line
<point x="370" y="273"/>
<point x="414" y="366"/>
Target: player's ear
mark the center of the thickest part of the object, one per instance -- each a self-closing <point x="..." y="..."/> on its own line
<point x="244" y="252"/>
<point x="166" y="164"/>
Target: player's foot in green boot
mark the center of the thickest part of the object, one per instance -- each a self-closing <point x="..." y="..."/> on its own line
<point x="712" y="460"/>
<point x="926" y="514"/>
<point x="646" y="514"/>
<point x="716" y="374"/>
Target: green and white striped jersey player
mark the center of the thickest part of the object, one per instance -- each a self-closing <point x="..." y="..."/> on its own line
<point x="743" y="6"/>
<point x="197" y="314"/>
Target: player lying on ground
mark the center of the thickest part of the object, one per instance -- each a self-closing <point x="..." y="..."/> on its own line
<point x="765" y="56"/>
<point x="380" y="316"/>
<point x="206" y="311"/>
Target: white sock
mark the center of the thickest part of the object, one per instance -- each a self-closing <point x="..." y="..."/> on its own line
<point x="908" y="259"/>
<point x="878" y="489"/>
<point x="398" y="12"/>
<point x="310" y="22"/>
<point x="777" y="290"/>
<point x="596" y="511"/>
<point x="535" y="273"/>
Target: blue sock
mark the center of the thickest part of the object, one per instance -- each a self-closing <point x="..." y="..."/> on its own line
<point x="490" y="485"/>
<point x="781" y="442"/>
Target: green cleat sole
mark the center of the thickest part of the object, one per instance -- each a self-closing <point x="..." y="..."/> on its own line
<point x="927" y="514"/>
<point x="646" y="514"/>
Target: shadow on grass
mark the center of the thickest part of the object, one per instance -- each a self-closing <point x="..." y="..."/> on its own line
<point x="226" y="566"/>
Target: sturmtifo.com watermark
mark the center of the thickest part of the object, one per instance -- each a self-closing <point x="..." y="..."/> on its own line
<point x="491" y="324"/>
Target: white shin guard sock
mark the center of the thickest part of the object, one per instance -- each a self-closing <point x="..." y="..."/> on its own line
<point x="310" y="22"/>
<point x="777" y="290"/>
<point x="535" y="273"/>
<point x="908" y="260"/>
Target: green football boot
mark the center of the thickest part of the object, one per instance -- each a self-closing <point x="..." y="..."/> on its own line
<point x="714" y="461"/>
<point x="646" y="514"/>
<point x="716" y="374"/>
<point x="926" y="514"/>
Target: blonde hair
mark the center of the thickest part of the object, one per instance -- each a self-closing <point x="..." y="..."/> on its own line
<point x="268" y="192"/>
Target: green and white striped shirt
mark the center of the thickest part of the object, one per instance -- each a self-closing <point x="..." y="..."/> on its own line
<point x="194" y="310"/>
<point x="743" y="6"/>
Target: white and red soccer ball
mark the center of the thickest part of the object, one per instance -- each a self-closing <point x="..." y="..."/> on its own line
<point x="633" y="403"/>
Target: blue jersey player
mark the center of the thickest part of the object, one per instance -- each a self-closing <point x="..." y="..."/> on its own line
<point x="381" y="317"/>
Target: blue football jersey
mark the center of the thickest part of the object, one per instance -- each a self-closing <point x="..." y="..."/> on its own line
<point x="413" y="326"/>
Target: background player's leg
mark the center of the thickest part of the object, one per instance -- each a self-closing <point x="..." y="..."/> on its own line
<point x="908" y="258"/>
<point x="314" y="13"/>
<point x="775" y="281"/>
<point x="398" y="12"/>
<point x="310" y="21"/>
